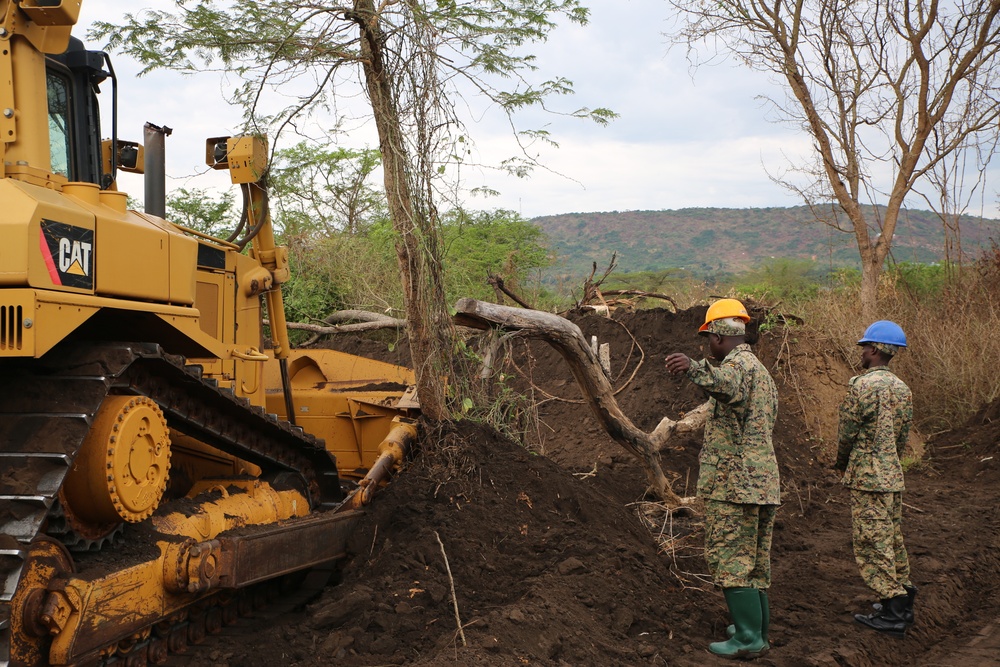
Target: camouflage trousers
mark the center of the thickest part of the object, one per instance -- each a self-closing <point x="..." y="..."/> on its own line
<point x="738" y="543"/>
<point x="878" y="541"/>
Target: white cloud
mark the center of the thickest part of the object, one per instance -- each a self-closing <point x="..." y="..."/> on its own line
<point x="193" y="106"/>
<point x="679" y="141"/>
<point x="620" y="175"/>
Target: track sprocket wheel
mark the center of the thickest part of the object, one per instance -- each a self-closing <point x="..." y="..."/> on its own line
<point x="122" y="468"/>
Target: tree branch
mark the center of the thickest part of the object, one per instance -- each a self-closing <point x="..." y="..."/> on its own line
<point x="569" y="341"/>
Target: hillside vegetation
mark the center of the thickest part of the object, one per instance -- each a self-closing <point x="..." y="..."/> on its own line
<point x="713" y="241"/>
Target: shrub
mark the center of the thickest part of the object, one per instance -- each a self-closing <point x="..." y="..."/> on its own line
<point x="950" y="323"/>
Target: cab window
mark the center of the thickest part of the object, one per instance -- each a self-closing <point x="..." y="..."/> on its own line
<point x="59" y="144"/>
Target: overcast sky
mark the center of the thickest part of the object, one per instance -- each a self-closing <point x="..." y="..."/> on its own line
<point x="682" y="139"/>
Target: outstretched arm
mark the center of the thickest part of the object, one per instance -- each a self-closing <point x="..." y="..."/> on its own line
<point x="724" y="383"/>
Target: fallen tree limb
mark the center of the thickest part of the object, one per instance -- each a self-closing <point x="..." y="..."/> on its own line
<point x="358" y="316"/>
<point x="640" y="293"/>
<point x="569" y="341"/>
<point x="361" y="320"/>
<point x="387" y="323"/>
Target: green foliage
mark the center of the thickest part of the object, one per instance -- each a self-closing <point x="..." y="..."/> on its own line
<point x="921" y="279"/>
<point x="343" y="270"/>
<point x="781" y="280"/>
<point x="313" y="290"/>
<point x="204" y="211"/>
<point x="478" y="244"/>
<point x="322" y="189"/>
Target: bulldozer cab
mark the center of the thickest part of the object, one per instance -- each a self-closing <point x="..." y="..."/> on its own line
<point x="72" y="82"/>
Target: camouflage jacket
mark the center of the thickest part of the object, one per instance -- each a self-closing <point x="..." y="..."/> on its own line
<point x="737" y="462"/>
<point x="875" y="420"/>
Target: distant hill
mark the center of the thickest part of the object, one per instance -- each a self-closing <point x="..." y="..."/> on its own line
<point x="707" y="241"/>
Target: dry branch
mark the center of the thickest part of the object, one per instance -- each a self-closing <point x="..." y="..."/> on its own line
<point x="362" y="320"/>
<point x="642" y="294"/>
<point x="387" y="323"/>
<point x="569" y="341"/>
<point x="692" y="422"/>
<point x="592" y="288"/>
<point x="497" y="283"/>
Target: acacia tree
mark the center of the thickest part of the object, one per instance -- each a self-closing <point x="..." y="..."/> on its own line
<point x="409" y="56"/>
<point x="202" y="211"/>
<point x="887" y="90"/>
<point x="325" y="189"/>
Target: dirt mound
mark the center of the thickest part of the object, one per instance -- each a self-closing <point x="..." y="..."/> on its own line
<point x="524" y="543"/>
<point x="551" y="565"/>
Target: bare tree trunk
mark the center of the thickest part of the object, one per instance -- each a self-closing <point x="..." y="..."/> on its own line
<point x="569" y="341"/>
<point x="423" y="293"/>
<point x="871" y="271"/>
<point x="873" y="257"/>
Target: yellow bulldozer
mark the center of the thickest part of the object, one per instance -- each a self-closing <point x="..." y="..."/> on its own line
<point x="164" y="466"/>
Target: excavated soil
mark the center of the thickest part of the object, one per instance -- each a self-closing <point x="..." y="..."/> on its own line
<point x="556" y="557"/>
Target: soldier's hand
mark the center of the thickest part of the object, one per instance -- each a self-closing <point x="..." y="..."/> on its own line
<point x="678" y="363"/>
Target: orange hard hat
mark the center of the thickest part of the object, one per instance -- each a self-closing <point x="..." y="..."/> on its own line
<point x="724" y="308"/>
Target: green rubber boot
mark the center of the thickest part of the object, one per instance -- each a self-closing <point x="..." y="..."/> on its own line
<point x="765" y="617"/>
<point x="765" y="620"/>
<point x="746" y="612"/>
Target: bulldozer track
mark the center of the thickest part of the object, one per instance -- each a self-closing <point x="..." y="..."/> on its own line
<point x="188" y="636"/>
<point x="254" y="616"/>
<point x="47" y="407"/>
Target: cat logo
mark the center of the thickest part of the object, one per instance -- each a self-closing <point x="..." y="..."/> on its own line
<point x="68" y="252"/>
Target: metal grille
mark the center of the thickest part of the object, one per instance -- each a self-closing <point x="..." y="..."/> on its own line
<point x="10" y="327"/>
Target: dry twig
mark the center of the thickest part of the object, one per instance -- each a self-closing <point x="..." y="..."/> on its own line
<point x="571" y="401"/>
<point x="454" y="597"/>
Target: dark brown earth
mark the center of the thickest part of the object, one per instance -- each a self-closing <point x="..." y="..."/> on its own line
<point x="557" y="559"/>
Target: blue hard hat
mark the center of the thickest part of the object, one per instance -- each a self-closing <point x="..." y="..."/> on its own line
<point x="886" y="332"/>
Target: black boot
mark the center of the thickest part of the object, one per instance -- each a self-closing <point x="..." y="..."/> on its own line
<point x="889" y="619"/>
<point x="911" y="592"/>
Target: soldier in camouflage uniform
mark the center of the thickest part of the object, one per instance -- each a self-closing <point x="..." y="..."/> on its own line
<point x="738" y="474"/>
<point x="875" y="420"/>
